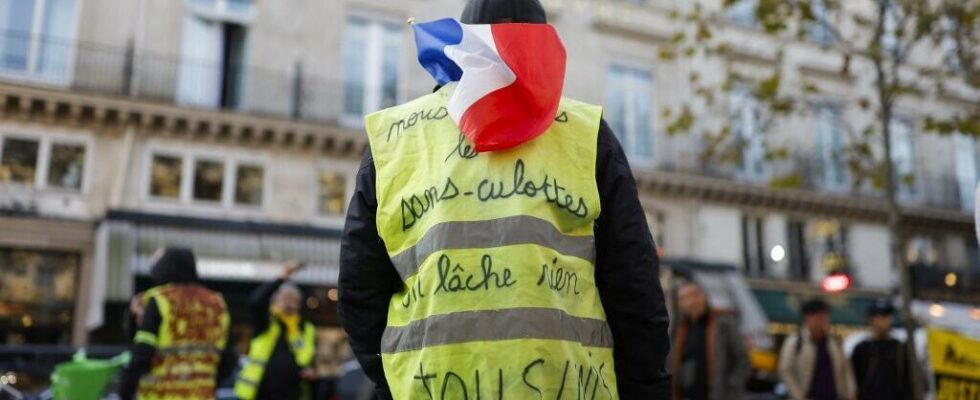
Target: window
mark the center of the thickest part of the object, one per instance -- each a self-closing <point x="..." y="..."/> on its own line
<point x="212" y="66"/>
<point x="41" y="285"/>
<point x="18" y="161"/>
<point x="42" y="162"/>
<point x="829" y="245"/>
<point x="831" y="168"/>
<point x="818" y="30"/>
<point x="890" y="41"/>
<point x="951" y="56"/>
<point x="628" y="111"/>
<point x="67" y="164"/>
<point x="659" y="224"/>
<point x="249" y="181"/>
<point x="36" y="38"/>
<point x="165" y="176"/>
<point x="972" y="255"/>
<point x="967" y="169"/>
<point x="239" y="7"/>
<point x="799" y="257"/>
<point x="903" y="158"/>
<point x="742" y="12"/>
<point x="215" y="180"/>
<point x="333" y="193"/>
<point x="372" y="66"/>
<point x="753" y="246"/>
<point x="747" y="131"/>
<point x="208" y="180"/>
<point x="922" y="250"/>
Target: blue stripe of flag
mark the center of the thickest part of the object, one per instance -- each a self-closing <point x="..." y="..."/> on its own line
<point x="431" y="39"/>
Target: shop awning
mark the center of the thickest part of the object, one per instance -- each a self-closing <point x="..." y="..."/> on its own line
<point x="226" y="250"/>
<point x="243" y="256"/>
<point x="784" y="305"/>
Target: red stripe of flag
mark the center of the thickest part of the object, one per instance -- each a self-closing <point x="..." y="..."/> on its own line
<point x="524" y="110"/>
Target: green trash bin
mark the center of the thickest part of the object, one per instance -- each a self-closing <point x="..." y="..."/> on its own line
<point x="84" y="379"/>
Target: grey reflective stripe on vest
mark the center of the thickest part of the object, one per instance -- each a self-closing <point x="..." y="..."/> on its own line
<point x="493" y="325"/>
<point x="256" y="362"/>
<point x="247" y="381"/>
<point x="170" y="350"/>
<point x="488" y="234"/>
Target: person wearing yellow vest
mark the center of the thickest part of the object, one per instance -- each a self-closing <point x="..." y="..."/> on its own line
<point x="181" y="349"/>
<point x="283" y="345"/>
<point x="526" y="272"/>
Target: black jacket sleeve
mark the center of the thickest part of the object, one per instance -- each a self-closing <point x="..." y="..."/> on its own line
<point x="859" y="363"/>
<point x="367" y="278"/>
<point x="627" y="277"/>
<point x="229" y="359"/>
<point x="142" y="354"/>
<point x="260" y="300"/>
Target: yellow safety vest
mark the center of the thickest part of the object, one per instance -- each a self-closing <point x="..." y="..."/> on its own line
<point x="496" y="253"/>
<point x="193" y="332"/>
<point x="261" y="348"/>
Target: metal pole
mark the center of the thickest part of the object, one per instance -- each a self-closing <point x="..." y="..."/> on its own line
<point x="139" y="37"/>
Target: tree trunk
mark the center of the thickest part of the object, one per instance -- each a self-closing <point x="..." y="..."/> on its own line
<point x="885" y="86"/>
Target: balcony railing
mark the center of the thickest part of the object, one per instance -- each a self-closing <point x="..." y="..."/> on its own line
<point x="289" y="92"/>
<point x="931" y="190"/>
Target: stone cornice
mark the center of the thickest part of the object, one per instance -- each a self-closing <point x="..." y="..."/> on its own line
<point x="56" y="106"/>
<point x="714" y="190"/>
<point x="28" y="231"/>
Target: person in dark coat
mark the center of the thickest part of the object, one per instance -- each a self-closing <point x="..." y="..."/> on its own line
<point x="626" y="263"/>
<point x="881" y="364"/>
<point x="709" y="356"/>
<point x="172" y="266"/>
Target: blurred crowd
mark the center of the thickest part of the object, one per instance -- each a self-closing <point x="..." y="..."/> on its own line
<point x="183" y="325"/>
<point x="710" y="358"/>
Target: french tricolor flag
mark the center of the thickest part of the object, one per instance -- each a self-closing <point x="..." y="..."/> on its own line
<point x="510" y="77"/>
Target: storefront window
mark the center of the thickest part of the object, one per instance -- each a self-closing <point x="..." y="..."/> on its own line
<point x="18" y="161"/>
<point x="37" y="292"/>
<point x="165" y="176"/>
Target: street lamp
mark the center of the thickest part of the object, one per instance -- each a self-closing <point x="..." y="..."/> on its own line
<point x="778" y="253"/>
<point x="951" y="279"/>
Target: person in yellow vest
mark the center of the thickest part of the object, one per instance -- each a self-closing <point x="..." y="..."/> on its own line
<point x="283" y="346"/>
<point x="523" y="273"/>
<point x="180" y="350"/>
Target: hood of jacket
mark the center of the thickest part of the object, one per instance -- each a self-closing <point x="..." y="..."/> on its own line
<point x="504" y="11"/>
<point x="175" y="265"/>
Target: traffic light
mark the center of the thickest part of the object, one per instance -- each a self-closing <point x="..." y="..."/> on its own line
<point x="837" y="281"/>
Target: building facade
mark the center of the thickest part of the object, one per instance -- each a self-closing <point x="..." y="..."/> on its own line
<point x="234" y="127"/>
